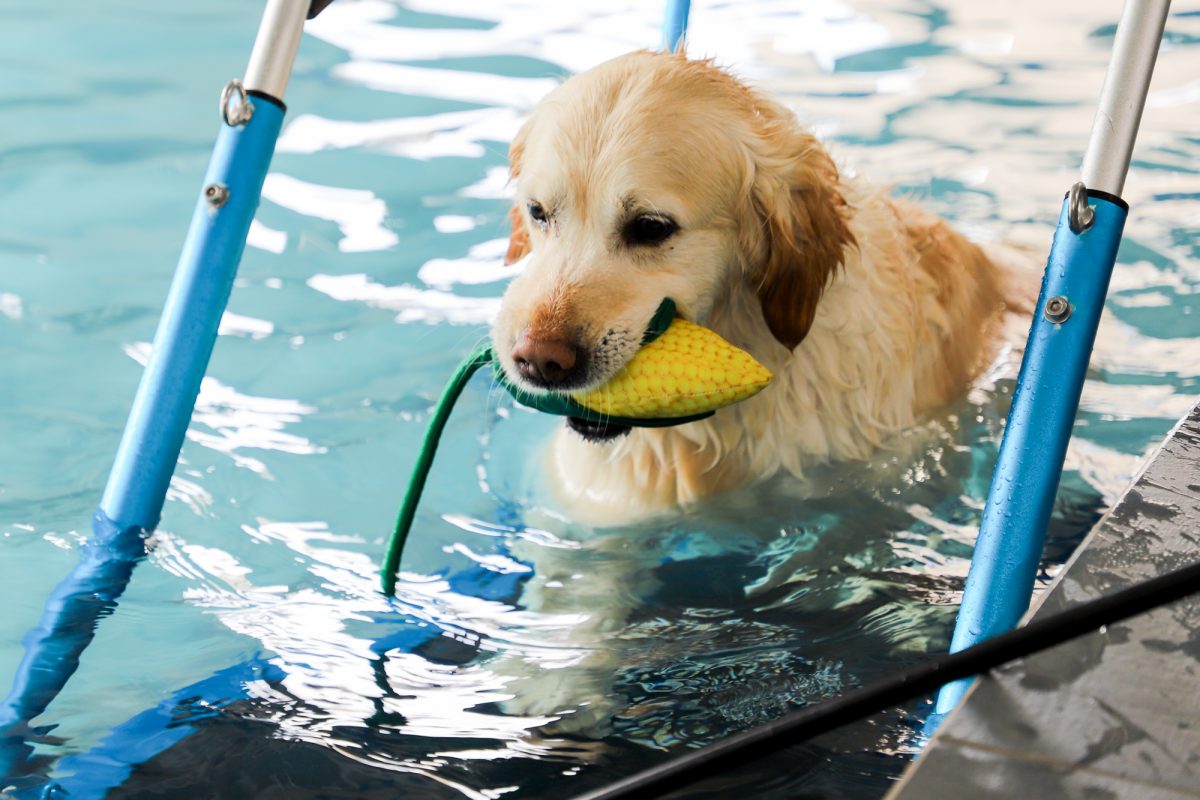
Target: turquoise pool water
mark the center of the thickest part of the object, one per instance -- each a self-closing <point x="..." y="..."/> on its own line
<point x="375" y="264"/>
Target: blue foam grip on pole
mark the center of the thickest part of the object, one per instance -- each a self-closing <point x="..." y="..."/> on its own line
<point x="1029" y="466"/>
<point x="154" y="433"/>
<point x="183" y="343"/>
<point x="675" y="23"/>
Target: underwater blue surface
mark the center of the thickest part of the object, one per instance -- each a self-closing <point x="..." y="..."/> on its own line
<point x="253" y="634"/>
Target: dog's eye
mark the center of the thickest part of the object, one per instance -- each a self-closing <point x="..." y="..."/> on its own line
<point x="647" y="229"/>
<point x="539" y="214"/>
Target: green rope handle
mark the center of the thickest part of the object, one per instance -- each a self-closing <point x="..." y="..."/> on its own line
<point x="416" y="484"/>
<point x="550" y="403"/>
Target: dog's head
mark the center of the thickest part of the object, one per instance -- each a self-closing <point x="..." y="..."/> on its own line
<point x="653" y="176"/>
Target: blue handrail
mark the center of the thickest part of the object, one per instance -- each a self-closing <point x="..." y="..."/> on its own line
<point x="154" y="433"/>
<point x="187" y="331"/>
<point x="675" y="22"/>
<point x="1021" y="498"/>
<point x="1030" y="463"/>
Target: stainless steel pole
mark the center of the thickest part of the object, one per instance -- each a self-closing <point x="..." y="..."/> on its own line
<point x="275" y="47"/>
<point x="1119" y="114"/>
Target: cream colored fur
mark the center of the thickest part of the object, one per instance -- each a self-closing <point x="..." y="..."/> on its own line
<point x="894" y="312"/>
<point x="870" y="312"/>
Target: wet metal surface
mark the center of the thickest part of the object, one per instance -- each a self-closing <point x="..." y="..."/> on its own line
<point x="1115" y="714"/>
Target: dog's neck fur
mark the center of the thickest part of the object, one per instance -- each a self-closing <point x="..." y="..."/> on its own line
<point x="892" y="337"/>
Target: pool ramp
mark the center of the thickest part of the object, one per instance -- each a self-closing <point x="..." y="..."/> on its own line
<point x="1114" y="714"/>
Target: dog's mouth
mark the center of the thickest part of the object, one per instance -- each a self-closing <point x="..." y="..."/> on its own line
<point x="595" y="431"/>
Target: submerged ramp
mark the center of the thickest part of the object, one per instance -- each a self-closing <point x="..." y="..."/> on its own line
<point x="1114" y="714"/>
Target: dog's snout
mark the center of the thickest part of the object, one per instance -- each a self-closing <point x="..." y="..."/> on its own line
<point x="552" y="363"/>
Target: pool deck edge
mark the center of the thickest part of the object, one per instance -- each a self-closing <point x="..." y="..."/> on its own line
<point x="1116" y="713"/>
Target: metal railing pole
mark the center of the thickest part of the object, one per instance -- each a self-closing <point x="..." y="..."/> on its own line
<point x="1135" y="49"/>
<point x="154" y="433"/>
<point x="1029" y="466"/>
<point x="162" y="408"/>
<point x="675" y="22"/>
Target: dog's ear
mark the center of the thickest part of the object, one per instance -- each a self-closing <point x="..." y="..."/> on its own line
<point x="518" y="238"/>
<point x="801" y="232"/>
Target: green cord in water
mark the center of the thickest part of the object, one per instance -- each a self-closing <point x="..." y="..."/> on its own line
<point x="549" y="403"/>
<point x="441" y="412"/>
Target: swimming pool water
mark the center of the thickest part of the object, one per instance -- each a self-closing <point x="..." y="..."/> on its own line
<point x="374" y="265"/>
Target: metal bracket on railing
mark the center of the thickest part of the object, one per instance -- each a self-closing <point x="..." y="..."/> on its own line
<point x="239" y="113"/>
<point x="1081" y="215"/>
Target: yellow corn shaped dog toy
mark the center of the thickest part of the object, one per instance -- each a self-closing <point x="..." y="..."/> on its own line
<point x="688" y="370"/>
<point x="682" y="373"/>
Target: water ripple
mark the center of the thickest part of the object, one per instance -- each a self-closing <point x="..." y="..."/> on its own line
<point x="523" y="652"/>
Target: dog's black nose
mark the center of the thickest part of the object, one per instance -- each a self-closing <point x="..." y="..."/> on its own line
<point x="551" y="363"/>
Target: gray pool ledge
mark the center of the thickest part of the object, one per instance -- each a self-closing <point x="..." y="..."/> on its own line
<point x="1108" y="716"/>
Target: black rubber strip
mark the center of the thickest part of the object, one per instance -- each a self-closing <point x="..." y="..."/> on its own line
<point x="1112" y="198"/>
<point x="261" y="95"/>
<point x="1099" y="195"/>
<point x="736" y="750"/>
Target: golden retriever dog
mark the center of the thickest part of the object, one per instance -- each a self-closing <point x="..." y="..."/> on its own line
<point x="655" y="176"/>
